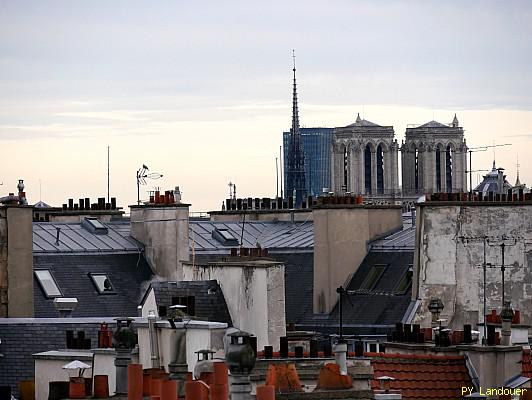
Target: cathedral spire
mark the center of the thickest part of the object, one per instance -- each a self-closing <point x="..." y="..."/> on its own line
<point x="455" y="121"/>
<point x="517" y="181"/>
<point x="296" y="182"/>
<point x="295" y="111"/>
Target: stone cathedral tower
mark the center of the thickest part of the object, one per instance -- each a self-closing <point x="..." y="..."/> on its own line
<point x="434" y="159"/>
<point x="364" y="160"/>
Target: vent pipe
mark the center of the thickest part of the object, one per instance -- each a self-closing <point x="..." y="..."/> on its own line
<point x="154" y="343"/>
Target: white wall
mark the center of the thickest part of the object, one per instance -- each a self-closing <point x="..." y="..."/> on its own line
<point x="254" y="293"/>
<point x="104" y="364"/>
<point x="200" y="335"/>
<point x="49" y="368"/>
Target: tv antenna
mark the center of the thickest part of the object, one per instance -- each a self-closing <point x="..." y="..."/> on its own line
<point x="474" y="150"/>
<point x="142" y="175"/>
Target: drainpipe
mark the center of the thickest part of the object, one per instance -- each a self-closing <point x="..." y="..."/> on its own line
<point x="154" y="343"/>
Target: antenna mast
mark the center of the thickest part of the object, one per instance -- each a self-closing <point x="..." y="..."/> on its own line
<point x="108" y="198"/>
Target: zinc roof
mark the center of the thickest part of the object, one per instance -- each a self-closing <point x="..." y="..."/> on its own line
<point x="278" y="235"/>
<point x="73" y="238"/>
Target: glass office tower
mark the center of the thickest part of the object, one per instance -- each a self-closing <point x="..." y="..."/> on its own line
<point x="317" y="148"/>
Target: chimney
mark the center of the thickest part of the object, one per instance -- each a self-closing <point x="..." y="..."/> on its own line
<point x="507" y="315"/>
<point x="500" y="181"/>
<point x="65" y="306"/>
<point x="341" y="234"/>
<point x="16" y="266"/>
<point x="21" y="193"/>
<point x="163" y="229"/>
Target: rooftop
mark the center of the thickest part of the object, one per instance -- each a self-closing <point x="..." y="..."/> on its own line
<point x="268" y="235"/>
<point x="74" y="238"/>
<point x="422" y="376"/>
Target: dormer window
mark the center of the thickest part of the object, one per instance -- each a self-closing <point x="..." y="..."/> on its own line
<point x="102" y="283"/>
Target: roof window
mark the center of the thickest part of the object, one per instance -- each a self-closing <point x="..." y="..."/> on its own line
<point x="373" y="277"/>
<point x="102" y="283"/>
<point x="225" y="237"/>
<point x="48" y="283"/>
<point x="94" y="225"/>
<point x="406" y="281"/>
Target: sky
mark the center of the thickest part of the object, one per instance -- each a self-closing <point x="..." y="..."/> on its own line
<point x="201" y="91"/>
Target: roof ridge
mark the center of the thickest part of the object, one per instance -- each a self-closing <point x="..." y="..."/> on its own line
<point x="431" y="357"/>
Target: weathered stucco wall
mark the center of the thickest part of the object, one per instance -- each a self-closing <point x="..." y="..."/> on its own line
<point x="164" y="233"/>
<point x="341" y="236"/>
<point x="20" y="262"/>
<point x="3" y="263"/>
<point x="449" y="257"/>
<point x="254" y="293"/>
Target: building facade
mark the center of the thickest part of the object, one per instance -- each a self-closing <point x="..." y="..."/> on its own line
<point x="365" y="160"/>
<point x="434" y="159"/>
<point x="317" y="150"/>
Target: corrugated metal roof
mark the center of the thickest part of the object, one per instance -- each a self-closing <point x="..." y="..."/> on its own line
<point x="76" y="239"/>
<point x="269" y="235"/>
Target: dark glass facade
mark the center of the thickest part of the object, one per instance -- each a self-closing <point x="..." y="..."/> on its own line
<point x="317" y="149"/>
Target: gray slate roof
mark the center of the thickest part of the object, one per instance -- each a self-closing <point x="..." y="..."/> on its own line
<point x="210" y="302"/>
<point x="269" y="235"/>
<point x="373" y="312"/>
<point x="73" y="238"/>
<point x="364" y="122"/>
<point x="126" y="272"/>
<point x="434" y="124"/>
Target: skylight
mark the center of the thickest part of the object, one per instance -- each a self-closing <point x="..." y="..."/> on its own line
<point x="102" y="283"/>
<point x="372" y="278"/>
<point x="405" y="281"/>
<point x="225" y="237"/>
<point x="95" y="226"/>
<point x="47" y="283"/>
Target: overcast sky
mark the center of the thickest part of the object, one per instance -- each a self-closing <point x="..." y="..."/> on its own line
<point x="201" y="91"/>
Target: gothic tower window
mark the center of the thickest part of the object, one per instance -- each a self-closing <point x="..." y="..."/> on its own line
<point x="380" y="170"/>
<point x="438" y="169"/>
<point x="449" y="168"/>
<point x="346" y="167"/>
<point x="367" y="169"/>
<point x="416" y="169"/>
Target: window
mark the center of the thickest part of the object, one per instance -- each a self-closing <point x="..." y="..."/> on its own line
<point x="102" y="283"/>
<point x="48" y="283"/>
<point x="367" y="169"/>
<point x="95" y="226"/>
<point x="380" y="170"/>
<point x="372" y="278"/>
<point x="438" y="168"/>
<point x="225" y="237"/>
<point x="449" y="168"/>
<point x="188" y="301"/>
<point x="405" y="281"/>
